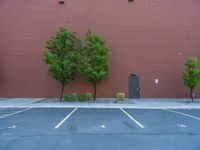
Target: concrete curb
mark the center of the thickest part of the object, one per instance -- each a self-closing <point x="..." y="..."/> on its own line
<point x="104" y="106"/>
<point x="132" y="104"/>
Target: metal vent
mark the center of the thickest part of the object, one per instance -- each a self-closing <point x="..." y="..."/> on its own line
<point x="61" y="1"/>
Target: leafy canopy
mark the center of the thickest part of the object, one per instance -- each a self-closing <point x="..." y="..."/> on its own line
<point x="95" y="64"/>
<point x="191" y="75"/>
<point x="62" y="55"/>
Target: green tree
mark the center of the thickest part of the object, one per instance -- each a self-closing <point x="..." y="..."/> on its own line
<point x="95" y="65"/>
<point x="62" y="55"/>
<point x="191" y="76"/>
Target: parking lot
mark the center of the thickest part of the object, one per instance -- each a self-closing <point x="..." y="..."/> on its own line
<point x="97" y="129"/>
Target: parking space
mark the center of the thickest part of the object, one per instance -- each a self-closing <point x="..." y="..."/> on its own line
<point x="192" y="112"/>
<point x="99" y="121"/>
<point x="33" y="121"/>
<point x="5" y="112"/>
<point x="166" y="122"/>
<point x="91" y="128"/>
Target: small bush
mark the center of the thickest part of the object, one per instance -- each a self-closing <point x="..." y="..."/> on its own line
<point x="70" y="97"/>
<point x="89" y="95"/>
<point x="84" y="97"/>
<point x="120" y="96"/>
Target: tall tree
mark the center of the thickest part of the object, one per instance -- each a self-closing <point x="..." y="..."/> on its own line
<point x="191" y="76"/>
<point x="95" y="65"/>
<point x="62" y="55"/>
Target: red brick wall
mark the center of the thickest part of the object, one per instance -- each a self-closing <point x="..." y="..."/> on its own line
<point x="149" y="37"/>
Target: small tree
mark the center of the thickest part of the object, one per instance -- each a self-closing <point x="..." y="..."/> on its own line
<point x="191" y="75"/>
<point x="62" y="57"/>
<point x="95" y="65"/>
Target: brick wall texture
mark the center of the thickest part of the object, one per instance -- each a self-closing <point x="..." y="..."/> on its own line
<point x="151" y="38"/>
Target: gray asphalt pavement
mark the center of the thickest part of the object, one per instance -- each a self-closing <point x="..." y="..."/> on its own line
<point x="99" y="129"/>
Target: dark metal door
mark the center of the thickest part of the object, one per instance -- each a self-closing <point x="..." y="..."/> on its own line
<point x="133" y="86"/>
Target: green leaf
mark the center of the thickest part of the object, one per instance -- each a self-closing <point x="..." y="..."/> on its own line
<point x="191" y="76"/>
<point x="62" y="55"/>
<point x="95" y="62"/>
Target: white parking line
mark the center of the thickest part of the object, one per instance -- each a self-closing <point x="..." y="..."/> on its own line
<point x="64" y="119"/>
<point x="133" y="119"/>
<point x="17" y="112"/>
<point x="180" y="113"/>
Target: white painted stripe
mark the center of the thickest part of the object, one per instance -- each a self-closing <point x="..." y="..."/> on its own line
<point x="17" y="112"/>
<point x="133" y="119"/>
<point x="37" y="100"/>
<point x="180" y="113"/>
<point x="64" y="119"/>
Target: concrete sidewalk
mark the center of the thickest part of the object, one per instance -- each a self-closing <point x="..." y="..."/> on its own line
<point x="156" y="103"/>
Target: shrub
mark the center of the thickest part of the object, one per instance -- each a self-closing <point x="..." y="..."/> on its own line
<point x="84" y="97"/>
<point x="89" y="95"/>
<point x="70" y="97"/>
<point x="120" y="96"/>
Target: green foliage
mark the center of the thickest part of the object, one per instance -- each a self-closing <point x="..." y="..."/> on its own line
<point x="89" y="95"/>
<point x="95" y="58"/>
<point x="191" y="75"/>
<point x="62" y="55"/>
<point x="84" y="97"/>
<point x="95" y="65"/>
<point x="120" y="96"/>
<point x="70" y="97"/>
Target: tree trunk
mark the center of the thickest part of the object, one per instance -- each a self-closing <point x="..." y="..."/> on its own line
<point x="94" y="90"/>
<point x="191" y="95"/>
<point x="61" y="94"/>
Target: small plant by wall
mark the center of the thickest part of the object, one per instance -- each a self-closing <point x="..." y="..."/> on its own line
<point x="120" y="96"/>
<point x="70" y="97"/>
<point x="191" y="76"/>
<point x="84" y="97"/>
